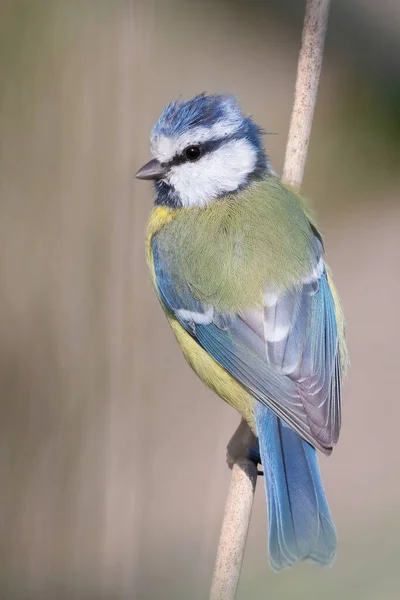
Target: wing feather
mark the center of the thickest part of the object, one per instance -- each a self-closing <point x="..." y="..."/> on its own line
<point x="284" y="352"/>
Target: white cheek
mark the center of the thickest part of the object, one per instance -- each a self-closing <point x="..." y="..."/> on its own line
<point x="216" y="173"/>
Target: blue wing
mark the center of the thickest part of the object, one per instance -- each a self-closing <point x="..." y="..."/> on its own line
<point x="284" y="352"/>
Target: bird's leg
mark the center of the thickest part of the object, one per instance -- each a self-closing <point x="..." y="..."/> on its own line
<point x="242" y="445"/>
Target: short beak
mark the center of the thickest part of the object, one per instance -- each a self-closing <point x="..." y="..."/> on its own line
<point x="152" y="170"/>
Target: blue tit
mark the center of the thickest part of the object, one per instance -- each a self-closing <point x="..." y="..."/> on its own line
<point x="238" y="265"/>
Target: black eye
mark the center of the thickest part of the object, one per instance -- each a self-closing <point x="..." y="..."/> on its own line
<point x="192" y="153"/>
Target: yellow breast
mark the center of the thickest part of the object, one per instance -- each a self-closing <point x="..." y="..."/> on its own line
<point x="209" y="371"/>
<point x="159" y="217"/>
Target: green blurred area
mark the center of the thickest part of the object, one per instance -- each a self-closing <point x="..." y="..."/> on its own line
<point x="112" y="454"/>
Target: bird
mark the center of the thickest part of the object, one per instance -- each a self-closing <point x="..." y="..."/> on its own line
<point x="237" y="262"/>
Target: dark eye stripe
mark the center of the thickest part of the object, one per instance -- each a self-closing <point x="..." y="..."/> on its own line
<point x="206" y="148"/>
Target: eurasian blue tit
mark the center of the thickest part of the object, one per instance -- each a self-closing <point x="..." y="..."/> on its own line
<point x="238" y="265"/>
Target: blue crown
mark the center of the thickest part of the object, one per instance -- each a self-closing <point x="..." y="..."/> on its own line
<point x="205" y="111"/>
<point x="202" y="110"/>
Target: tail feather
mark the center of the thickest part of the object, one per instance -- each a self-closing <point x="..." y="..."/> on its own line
<point x="300" y="523"/>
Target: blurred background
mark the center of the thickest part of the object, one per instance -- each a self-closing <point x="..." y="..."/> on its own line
<point x="112" y="454"/>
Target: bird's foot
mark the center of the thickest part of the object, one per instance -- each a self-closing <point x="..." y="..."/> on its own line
<point x="243" y="445"/>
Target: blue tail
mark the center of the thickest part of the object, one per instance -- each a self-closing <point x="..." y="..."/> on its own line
<point x="300" y="523"/>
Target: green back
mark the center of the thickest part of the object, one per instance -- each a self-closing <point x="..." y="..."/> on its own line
<point x="230" y="250"/>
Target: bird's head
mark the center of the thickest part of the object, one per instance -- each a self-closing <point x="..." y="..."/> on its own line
<point x="204" y="148"/>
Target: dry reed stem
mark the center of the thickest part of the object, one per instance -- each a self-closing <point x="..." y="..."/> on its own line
<point x="239" y="503"/>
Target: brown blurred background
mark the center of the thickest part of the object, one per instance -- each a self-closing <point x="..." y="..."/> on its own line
<point x="112" y="454"/>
